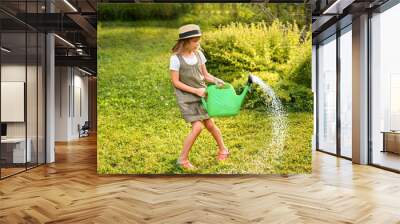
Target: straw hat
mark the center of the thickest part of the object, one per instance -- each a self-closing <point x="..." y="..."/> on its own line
<point x="189" y="31"/>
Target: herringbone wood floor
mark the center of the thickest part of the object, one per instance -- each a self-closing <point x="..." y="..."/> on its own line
<point x="70" y="191"/>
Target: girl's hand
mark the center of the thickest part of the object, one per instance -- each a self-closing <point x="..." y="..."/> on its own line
<point x="201" y="92"/>
<point x="219" y="82"/>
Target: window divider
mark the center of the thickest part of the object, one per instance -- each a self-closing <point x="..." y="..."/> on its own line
<point x="338" y="73"/>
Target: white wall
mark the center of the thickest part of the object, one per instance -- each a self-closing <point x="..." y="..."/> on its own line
<point x="70" y="83"/>
<point x="62" y="81"/>
<point x="80" y="94"/>
<point x="12" y="73"/>
<point x="34" y="125"/>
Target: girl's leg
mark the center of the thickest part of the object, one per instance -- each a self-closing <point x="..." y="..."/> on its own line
<point x="216" y="133"/>
<point x="190" y="139"/>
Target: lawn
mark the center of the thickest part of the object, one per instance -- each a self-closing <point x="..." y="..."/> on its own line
<point x="140" y="129"/>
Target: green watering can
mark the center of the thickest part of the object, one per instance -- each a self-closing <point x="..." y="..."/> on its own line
<point x="223" y="101"/>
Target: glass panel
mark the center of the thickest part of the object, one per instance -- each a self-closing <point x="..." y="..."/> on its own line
<point x="385" y="91"/>
<point x="41" y="99"/>
<point x="31" y="85"/>
<point x="13" y="76"/>
<point x="327" y="95"/>
<point x="22" y="88"/>
<point x="346" y="92"/>
<point x="31" y="97"/>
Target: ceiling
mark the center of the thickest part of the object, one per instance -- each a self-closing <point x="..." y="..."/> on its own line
<point x="329" y="15"/>
<point x="74" y="22"/>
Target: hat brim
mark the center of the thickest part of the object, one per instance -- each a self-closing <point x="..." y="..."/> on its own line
<point x="191" y="36"/>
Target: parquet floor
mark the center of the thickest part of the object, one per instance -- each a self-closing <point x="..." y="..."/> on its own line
<point x="70" y="191"/>
<point x="10" y="171"/>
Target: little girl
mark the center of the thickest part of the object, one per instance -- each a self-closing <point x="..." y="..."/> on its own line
<point x="188" y="74"/>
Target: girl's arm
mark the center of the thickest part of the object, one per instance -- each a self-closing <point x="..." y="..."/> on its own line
<point x="208" y="77"/>
<point x="182" y="86"/>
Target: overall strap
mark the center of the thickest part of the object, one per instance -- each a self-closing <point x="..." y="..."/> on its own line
<point x="196" y="53"/>
<point x="180" y="59"/>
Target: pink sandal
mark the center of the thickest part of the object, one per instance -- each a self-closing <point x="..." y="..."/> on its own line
<point x="222" y="156"/>
<point x="185" y="165"/>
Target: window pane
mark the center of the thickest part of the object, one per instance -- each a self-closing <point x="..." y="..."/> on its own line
<point x="346" y="92"/>
<point x="327" y="95"/>
<point x="22" y="88"/>
<point x="31" y="97"/>
<point x="41" y="99"/>
<point x="385" y="89"/>
<point x="14" y="153"/>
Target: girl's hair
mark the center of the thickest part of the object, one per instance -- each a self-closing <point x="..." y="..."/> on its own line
<point x="180" y="45"/>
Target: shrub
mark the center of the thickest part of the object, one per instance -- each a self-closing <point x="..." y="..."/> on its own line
<point x="129" y="12"/>
<point x="207" y="15"/>
<point x="279" y="53"/>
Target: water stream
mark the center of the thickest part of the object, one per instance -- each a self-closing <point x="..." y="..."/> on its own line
<point x="279" y="126"/>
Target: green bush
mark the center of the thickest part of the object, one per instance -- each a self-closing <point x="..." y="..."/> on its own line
<point x="278" y="53"/>
<point x="214" y="15"/>
<point x="207" y="15"/>
<point x="129" y="12"/>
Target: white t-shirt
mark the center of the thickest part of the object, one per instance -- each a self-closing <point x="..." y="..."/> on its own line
<point x="174" y="61"/>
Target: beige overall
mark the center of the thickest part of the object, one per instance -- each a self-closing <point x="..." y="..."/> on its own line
<point x="189" y="103"/>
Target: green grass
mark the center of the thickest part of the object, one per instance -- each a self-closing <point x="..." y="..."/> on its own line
<point x="140" y="127"/>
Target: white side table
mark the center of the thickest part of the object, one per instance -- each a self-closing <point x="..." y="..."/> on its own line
<point x="19" y="149"/>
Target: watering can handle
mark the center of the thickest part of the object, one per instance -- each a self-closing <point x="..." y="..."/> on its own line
<point x="203" y="100"/>
<point x="204" y="103"/>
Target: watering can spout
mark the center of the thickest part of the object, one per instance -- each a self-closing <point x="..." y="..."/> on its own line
<point x="250" y="80"/>
<point x="247" y="87"/>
